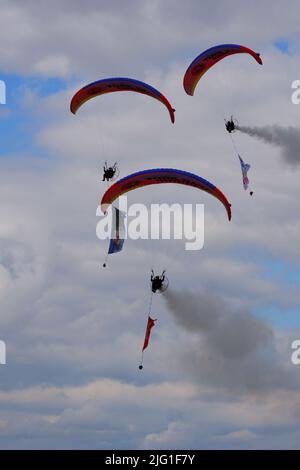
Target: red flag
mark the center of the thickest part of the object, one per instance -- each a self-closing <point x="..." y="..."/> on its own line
<point x="150" y="325"/>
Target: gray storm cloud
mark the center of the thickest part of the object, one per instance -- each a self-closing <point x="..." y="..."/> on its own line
<point x="231" y="349"/>
<point x="286" y="138"/>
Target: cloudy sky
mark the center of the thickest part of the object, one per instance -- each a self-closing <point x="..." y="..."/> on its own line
<point x="218" y="372"/>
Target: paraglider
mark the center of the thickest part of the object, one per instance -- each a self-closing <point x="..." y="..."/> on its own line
<point x="230" y="125"/>
<point x="109" y="85"/>
<point x="158" y="283"/>
<point x="161" y="176"/>
<point x="210" y="57"/>
<point x="110" y="172"/>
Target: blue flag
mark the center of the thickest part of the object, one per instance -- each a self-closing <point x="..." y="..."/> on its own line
<point x="115" y="245"/>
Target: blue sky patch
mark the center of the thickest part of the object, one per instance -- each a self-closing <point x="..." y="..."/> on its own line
<point x="283" y="45"/>
<point x="18" y="124"/>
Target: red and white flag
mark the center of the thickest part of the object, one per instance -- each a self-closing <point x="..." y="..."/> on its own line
<point x="150" y="325"/>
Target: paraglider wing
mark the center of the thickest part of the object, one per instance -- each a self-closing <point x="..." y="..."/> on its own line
<point x="161" y="176"/>
<point x="209" y="58"/>
<point x="109" y="85"/>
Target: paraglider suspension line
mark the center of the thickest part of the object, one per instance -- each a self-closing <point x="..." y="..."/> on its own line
<point x="233" y="143"/>
<point x="105" y="261"/>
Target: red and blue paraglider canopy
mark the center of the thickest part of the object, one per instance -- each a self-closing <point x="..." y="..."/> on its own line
<point x="109" y="85"/>
<point x="210" y="57"/>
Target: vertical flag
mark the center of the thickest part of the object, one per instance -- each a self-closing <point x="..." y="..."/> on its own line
<point x="116" y="242"/>
<point x="117" y="233"/>
<point x="245" y="168"/>
<point x="150" y="325"/>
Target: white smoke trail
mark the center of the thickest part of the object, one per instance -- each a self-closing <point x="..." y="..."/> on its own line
<point x="232" y="350"/>
<point x="286" y="138"/>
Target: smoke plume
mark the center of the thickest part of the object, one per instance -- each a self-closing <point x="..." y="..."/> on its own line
<point x="233" y="350"/>
<point x="286" y="138"/>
